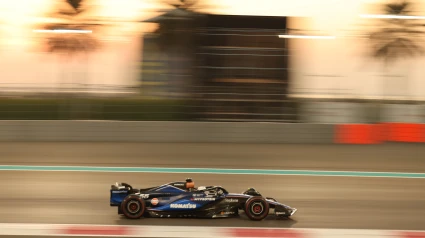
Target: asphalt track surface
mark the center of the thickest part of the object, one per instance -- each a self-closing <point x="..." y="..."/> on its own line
<point x="323" y="202"/>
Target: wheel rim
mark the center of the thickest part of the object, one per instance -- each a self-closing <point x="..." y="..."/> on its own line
<point x="133" y="207"/>
<point x="257" y="208"/>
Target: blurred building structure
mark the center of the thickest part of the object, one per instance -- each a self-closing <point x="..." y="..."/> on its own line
<point x="236" y="68"/>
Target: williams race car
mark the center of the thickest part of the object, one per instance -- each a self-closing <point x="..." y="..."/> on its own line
<point x="182" y="199"/>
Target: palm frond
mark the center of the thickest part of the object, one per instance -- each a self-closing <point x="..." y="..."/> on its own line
<point x="397" y="8"/>
<point x="75" y="3"/>
<point x="410" y="47"/>
<point x="398" y="38"/>
<point x="72" y="44"/>
<point x="76" y="18"/>
<point x="183" y="4"/>
<point x="386" y="33"/>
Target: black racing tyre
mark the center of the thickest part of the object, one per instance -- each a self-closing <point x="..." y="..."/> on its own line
<point x="133" y="207"/>
<point x="256" y="208"/>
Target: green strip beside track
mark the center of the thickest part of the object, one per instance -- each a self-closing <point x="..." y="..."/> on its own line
<point x="210" y="171"/>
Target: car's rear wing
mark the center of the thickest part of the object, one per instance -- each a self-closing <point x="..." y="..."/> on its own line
<point x="118" y="192"/>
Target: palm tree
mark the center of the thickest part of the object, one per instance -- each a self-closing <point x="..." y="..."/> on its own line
<point x="72" y="18"/>
<point x="396" y="38"/>
<point x="72" y="33"/>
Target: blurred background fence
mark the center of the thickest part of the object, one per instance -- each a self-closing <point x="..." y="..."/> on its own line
<point x="207" y="103"/>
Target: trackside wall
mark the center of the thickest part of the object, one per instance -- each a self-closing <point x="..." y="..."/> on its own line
<point x="209" y="132"/>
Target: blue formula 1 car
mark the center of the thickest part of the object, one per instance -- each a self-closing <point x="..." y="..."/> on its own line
<point x="182" y="199"/>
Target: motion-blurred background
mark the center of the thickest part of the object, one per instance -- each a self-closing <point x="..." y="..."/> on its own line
<point x="274" y="60"/>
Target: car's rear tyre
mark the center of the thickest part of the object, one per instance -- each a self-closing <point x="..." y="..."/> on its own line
<point x="257" y="208"/>
<point x="133" y="207"/>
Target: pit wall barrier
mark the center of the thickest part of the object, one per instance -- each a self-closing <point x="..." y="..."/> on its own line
<point x="56" y="230"/>
<point x="165" y="132"/>
<point x="209" y="132"/>
<point x="379" y="133"/>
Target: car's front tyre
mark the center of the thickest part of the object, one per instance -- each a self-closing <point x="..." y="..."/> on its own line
<point x="133" y="207"/>
<point x="257" y="208"/>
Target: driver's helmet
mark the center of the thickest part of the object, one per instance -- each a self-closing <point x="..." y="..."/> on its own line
<point x="189" y="183"/>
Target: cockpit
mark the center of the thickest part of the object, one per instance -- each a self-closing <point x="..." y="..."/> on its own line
<point x="188" y="185"/>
